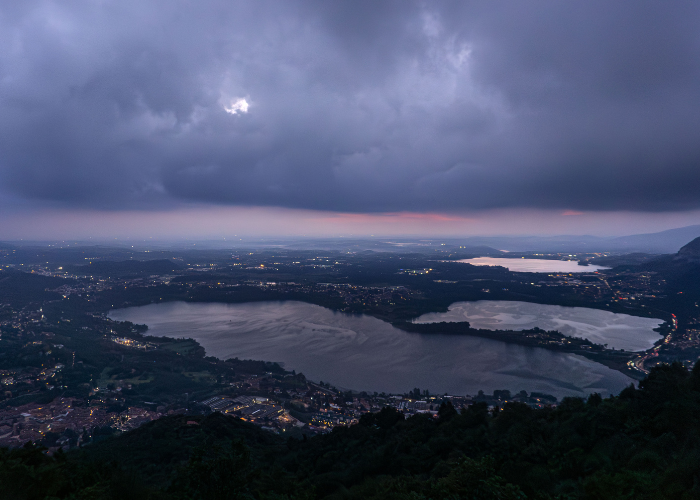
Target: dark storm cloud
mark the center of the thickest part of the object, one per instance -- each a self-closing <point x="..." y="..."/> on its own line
<point x="352" y="106"/>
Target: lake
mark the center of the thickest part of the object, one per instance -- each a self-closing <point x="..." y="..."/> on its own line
<point x="364" y="353"/>
<point x="619" y="331"/>
<point x="533" y="265"/>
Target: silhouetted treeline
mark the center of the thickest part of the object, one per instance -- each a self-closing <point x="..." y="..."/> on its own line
<point x="642" y="444"/>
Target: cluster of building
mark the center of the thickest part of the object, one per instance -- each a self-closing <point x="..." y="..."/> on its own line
<point x="366" y="295"/>
<point x="257" y="409"/>
<point x="92" y="284"/>
<point x="69" y="422"/>
<point x="28" y="377"/>
<point x="134" y="417"/>
<point x="20" y="319"/>
<point x="63" y="423"/>
<point x="612" y="287"/>
<point x="319" y="409"/>
<point x="349" y="293"/>
<point x="128" y="342"/>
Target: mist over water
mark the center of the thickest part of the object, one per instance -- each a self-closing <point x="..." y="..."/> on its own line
<point x="363" y="353"/>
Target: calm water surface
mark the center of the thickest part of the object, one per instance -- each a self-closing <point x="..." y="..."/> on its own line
<point x="533" y="265"/>
<point x="364" y="353"/>
<point x="619" y="331"/>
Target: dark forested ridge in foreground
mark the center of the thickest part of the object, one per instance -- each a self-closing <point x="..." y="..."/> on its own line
<point x="642" y="444"/>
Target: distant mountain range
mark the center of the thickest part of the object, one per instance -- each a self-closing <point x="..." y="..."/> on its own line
<point x="669" y="241"/>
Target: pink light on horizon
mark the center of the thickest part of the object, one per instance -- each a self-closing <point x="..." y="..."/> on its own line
<point x="214" y="222"/>
<point x="395" y="217"/>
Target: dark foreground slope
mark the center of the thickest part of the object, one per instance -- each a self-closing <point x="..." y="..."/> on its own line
<point x="642" y="444"/>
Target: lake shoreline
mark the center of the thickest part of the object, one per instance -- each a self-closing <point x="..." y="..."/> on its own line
<point x="362" y="351"/>
<point x="550" y="340"/>
<point x="614" y="359"/>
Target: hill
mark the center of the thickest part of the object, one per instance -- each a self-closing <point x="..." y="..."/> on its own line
<point x="663" y="242"/>
<point x="17" y="287"/>
<point x="642" y="444"/>
<point x="690" y="251"/>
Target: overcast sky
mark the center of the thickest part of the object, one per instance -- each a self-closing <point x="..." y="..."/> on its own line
<point x="334" y="117"/>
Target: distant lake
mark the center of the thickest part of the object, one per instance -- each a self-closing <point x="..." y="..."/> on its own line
<point x="620" y="331"/>
<point x="363" y="353"/>
<point x="533" y="265"/>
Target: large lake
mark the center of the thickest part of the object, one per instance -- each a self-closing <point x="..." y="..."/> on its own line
<point x="363" y="353"/>
<point x="619" y="331"/>
<point x="533" y="265"/>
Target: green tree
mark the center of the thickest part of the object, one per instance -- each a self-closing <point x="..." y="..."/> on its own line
<point x="213" y="473"/>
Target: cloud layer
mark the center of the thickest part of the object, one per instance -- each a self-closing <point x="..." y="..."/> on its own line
<point x="351" y="106"/>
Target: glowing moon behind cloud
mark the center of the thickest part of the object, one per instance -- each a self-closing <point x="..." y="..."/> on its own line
<point x="237" y="105"/>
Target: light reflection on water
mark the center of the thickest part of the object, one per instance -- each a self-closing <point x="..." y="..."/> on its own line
<point x="619" y="331"/>
<point x="533" y="265"/>
<point x="363" y="353"/>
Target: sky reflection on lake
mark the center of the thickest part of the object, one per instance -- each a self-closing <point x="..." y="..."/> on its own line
<point x="363" y="353"/>
<point x="619" y="331"/>
<point x="533" y="265"/>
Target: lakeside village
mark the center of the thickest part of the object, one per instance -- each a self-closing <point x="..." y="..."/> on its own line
<point x="57" y="417"/>
<point x="69" y="377"/>
<point x="68" y="422"/>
